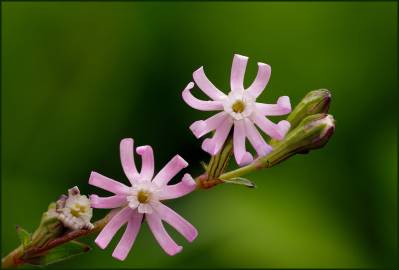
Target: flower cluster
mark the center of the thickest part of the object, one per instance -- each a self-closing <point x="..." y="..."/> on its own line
<point x="142" y="199"/>
<point x="239" y="118"/>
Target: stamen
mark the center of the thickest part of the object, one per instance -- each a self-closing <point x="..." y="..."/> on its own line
<point x="78" y="210"/>
<point x="238" y="106"/>
<point x="143" y="196"/>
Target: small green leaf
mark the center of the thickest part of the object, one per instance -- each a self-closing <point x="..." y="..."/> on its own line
<point x="60" y="253"/>
<point x="24" y="236"/>
<point x="240" y="181"/>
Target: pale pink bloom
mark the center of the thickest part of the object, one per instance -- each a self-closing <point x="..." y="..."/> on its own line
<point x="239" y="110"/>
<point x="142" y="200"/>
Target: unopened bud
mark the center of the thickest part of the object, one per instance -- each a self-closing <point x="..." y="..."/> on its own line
<point x="317" y="101"/>
<point x="50" y="227"/>
<point x="313" y="132"/>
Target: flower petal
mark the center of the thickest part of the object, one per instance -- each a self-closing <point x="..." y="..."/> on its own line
<point x="214" y="145"/>
<point x="238" y="72"/>
<point x="175" y="165"/>
<point x="176" y="221"/>
<point x="284" y="126"/>
<point x="108" y="184"/>
<point x="129" y="236"/>
<point x="276" y="131"/>
<point x="202" y="127"/>
<point x="261" y="80"/>
<point x="206" y="86"/>
<point x="145" y="208"/>
<point x="133" y="202"/>
<point x="184" y="187"/>
<point x="254" y="137"/>
<point x="198" y="104"/>
<point x="240" y="153"/>
<point x="127" y="159"/>
<point x="160" y="234"/>
<point x="282" y="107"/>
<point x="107" y="202"/>
<point x="147" y="164"/>
<point x="116" y="222"/>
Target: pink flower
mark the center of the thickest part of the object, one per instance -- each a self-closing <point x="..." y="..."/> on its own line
<point x="240" y="110"/>
<point x="142" y="200"/>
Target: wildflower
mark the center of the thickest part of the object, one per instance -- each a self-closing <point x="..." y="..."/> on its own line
<point x="142" y="200"/>
<point x="239" y="110"/>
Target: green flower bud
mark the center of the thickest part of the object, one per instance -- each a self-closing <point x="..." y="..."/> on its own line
<point x="317" y="101"/>
<point x="50" y="227"/>
<point x="313" y="132"/>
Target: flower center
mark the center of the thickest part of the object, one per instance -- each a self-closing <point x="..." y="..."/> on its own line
<point x="238" y="106"/>
<point x="143" y="196"/>
<point x="77" y="210"/>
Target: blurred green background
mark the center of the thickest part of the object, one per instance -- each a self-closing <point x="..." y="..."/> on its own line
<point x="78" y="77"/>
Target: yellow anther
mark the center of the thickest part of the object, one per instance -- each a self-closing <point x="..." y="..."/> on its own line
<point x="143" y="196"/>
<point x="238" y="106"/>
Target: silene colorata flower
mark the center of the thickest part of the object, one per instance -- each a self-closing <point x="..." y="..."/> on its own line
<point x="239" y="111"/>
<point x="142" y="201"/>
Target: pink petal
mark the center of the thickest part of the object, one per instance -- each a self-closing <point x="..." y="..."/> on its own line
<point x="160" y="234"/>
<point x="177" y="222"/>
<point x="198" y="104"/>
<point x="147" y="163"/>
<point x="238" y="72"/>
<point x="240" y="153"/>
<point x="184" y="187"/>
<point x="108" y="184"/>
<point x="284" y="126"/>
<point x="202" y="127"/>
<point x="127" y="159"/>
<point x="107" y="202"/>
<point x="254" y="137"/>
<point x="276" y="131"/>
<point x="175" y="165"/>
<point x="116" y="222"/>
<point x="261" y="80"/>
<point x="282" y="107"/>
<point x="206" y="86"/>
<point x="214" y="145"/>
<point x="129" y="236"/>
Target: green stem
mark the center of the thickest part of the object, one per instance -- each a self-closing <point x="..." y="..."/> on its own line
<point x="238" y="172"/>
<point x="15" y="257"/>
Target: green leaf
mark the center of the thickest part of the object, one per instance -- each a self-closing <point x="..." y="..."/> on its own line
<point x="24" y="236"/>
<point x="240" y="181"/>
<point x="60" y="253"/>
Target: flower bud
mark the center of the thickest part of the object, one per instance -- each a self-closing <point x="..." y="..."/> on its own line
<point x="50" y="227"/>
<point x="313" y="132"/>
<point x="317" y="101"/>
